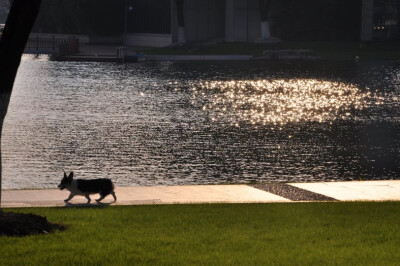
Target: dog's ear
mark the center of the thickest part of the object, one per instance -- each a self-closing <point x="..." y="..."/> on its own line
<point x="71" y="175"/>
<point x="65" y="175"/>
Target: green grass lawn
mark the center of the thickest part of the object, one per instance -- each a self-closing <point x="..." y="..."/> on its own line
<point x="218" y="234"/>
<point x="325" y="50"/>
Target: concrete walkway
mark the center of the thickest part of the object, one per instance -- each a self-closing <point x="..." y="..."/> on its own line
<point x="356" y="190"/>
<point x="108" y="53"/>
<point x="342" y="191"/>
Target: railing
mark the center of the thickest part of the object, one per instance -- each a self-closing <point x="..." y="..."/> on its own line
<point x="43" y="43"/>
<point x="68" y="47"/>
<point x="60" y="47"/>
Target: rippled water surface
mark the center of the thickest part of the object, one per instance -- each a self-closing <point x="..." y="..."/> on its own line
<point x="202" y="122"/>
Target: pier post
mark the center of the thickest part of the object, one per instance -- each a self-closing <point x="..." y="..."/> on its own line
<point x="121" y="53"/>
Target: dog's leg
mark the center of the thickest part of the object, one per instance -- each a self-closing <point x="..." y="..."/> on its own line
<point x="101" y="198"/>
<point x="88" y="198"/>
<point x="115" y="197"/>
<point x="71" y="195"/>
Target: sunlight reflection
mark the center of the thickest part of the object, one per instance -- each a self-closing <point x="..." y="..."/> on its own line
<point x="278" y="102"/>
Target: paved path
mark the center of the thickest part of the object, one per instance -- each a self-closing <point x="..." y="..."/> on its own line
<point x="342" y="191"/>
<point x="108" y="53"/>
<point x="356" y="190"/>
<point x="106" y="50"/>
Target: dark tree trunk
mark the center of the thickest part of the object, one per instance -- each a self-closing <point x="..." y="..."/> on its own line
<point x="398" y="20"/>
<point x="179" y="7"/>
<point x="264" y="6"/>
<point x="181" y="21"/>
<point x="264" y="9"/>
<point x="18" y="26"/>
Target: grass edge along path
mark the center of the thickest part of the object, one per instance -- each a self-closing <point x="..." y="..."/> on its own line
<point x="328" y="233"/>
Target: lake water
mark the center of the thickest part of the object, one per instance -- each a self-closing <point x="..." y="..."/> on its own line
<point x="171" y="123"/>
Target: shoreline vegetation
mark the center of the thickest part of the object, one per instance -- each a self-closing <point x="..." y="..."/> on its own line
<point x="382" y="50"/>
<point x="328" y="233"/>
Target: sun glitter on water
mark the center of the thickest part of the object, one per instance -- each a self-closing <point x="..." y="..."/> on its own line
<point x="280" y="101"/>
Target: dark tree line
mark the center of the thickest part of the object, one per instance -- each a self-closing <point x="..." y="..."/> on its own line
<point x="149" y="16"/>
<point x="98" y="17"/>
<point x="309" y="20"/>
<point x="287" y="19"/>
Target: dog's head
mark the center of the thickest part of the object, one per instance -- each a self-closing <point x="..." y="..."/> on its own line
<point x="66" y="181"/>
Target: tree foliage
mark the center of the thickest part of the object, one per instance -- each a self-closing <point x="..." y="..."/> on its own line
<point x="101" y="17"/>
<point x="309" y="20"/>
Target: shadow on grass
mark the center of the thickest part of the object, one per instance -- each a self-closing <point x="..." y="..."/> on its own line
<point x="25" y="224"/>
<point x="87" y="205"/>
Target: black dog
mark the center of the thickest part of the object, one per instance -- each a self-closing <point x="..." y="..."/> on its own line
<point x="103" y="186"/>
